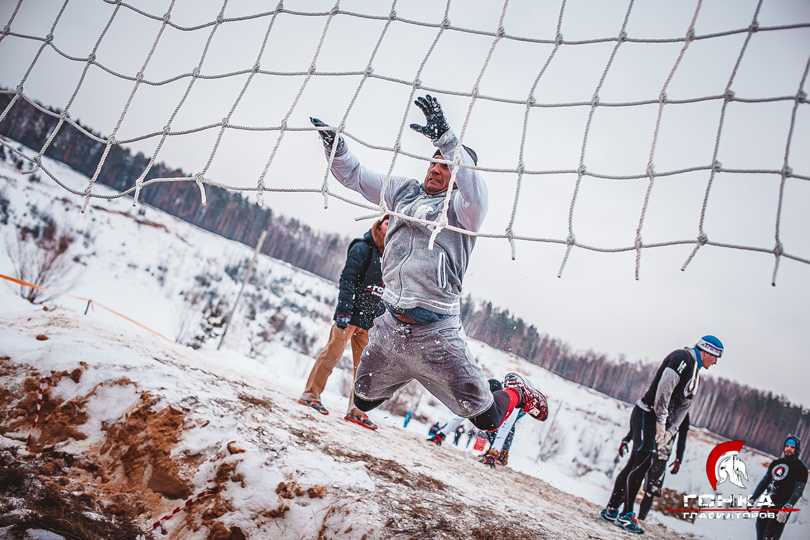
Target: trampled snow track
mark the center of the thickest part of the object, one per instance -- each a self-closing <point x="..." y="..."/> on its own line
<point x="207" y="420"/>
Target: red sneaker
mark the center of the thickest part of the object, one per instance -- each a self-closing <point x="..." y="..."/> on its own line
<point x="531" y="400"/>
<point x="361" y="419"/>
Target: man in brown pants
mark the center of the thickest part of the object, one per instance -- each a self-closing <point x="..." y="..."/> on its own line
<point x="359" y="303"/>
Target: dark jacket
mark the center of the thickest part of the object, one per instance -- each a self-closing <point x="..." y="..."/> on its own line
<point x="785" y="480"/>
<point x="361" y="285"/>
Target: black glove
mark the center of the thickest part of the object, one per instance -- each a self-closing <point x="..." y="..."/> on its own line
<point x="342" y="321"/>
<point x="328" y="136"/>
<point x="623" y="448"/>
<point x="435" y="124"/>
<point x="676" y="467"/>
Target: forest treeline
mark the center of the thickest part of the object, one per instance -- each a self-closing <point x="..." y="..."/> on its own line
<point x="731" y="410"/>
<point x="226" y="213"/>
<point x="726" y="408"/>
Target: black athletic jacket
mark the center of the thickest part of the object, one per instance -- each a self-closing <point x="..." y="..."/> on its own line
<point x="785" y="480"/>
<point x="673" y="387"/>
<point x="361" y="284"/>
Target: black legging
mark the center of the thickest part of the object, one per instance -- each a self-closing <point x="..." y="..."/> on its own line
<point x="489" y="420"/>
<point x="625" y="489"/>
<point x="769" y="528"/>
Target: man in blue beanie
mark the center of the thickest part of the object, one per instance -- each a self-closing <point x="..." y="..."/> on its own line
<point x="784" y="482"/>
<point x="655" y="420"/>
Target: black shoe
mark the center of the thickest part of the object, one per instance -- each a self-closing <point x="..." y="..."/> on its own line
<point x="490" y="458"/>
<point x="437" y="438"/>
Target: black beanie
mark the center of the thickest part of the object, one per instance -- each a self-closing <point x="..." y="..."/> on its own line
<point x="469" y="150"/>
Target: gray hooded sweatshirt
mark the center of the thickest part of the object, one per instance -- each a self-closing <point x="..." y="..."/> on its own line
<point x="413" y="275"/>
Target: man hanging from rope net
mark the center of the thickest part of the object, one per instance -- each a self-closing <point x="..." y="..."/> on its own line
<point x="420" y="335"/>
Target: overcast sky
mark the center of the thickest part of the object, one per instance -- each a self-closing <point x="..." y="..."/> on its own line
<point x="597" y="304"/>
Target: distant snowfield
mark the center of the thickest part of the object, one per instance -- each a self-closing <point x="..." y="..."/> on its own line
<point x="151" y="423"/>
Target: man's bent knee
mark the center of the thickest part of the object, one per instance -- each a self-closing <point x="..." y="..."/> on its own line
<point x="366" y="406"/>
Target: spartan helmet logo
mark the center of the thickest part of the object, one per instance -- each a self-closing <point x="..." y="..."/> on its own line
<point x="731" y="469"/>
<point x="723" y="464"/>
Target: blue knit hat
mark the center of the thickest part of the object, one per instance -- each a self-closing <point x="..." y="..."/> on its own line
<point x="792" y="441"/>
<point x="711" y="345"/>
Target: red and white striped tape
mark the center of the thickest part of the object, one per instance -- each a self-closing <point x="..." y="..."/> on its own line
<point x="43" y="383"/>
<point x="195" y="498"/>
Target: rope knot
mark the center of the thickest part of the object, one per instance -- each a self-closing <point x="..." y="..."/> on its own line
<point x="92" y="57"/>
<point x="397" y="147"/>
<point x="638" y="244"/>
<point x="595" y="100"/>
<point x="19" y="88"/>
<point x="257" y="66"/>
<point x="571" y="240"/>
<point x="220" y="18"/>
<point x="778" y="249"/>
<point x="690" y="35"/>
<point x="446" y="23"/>
<point x="393" y="15"/>
<point x="520" y="167"/>
<point x="417" y="83"/>
<point x="334" y="11"/>
<point x="196" y="72"/>
<point x="787" y="172"/>
<point x="475" y="92"/>
<point x="167" y="17"/>
<point x="48" y="38"/>
<point x="139" y="76"/>
<point x="729" y="95"/>
<point x="166" y="129"/>
<point x="662" y="98"/>
<point x="225" y="121"/>
<point x="369" y="71"/>
<point x="531" y="102"/>
<point x="754" y="27"/>
<point x="801" y="96"/>
<point x="284" y="125"/>
<point x="501" y="32"/>
<point x="112" y="141"/>
<point x="582" y="170"/>
<point x="717" y="166"/>
<point x="623" y="37"/>
<point x="651" y="170"/>
<point x="311" y="69"/>
<point x="702" y="239"/>
<point x="558" y="39"/>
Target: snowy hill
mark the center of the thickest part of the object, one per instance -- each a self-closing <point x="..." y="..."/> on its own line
<point x="133" y="424"/>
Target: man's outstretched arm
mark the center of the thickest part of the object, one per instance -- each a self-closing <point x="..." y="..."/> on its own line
<point x="472" y="206"/>
<point x="347" y="169"/>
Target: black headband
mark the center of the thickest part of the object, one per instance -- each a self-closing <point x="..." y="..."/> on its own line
<point x="469" y="150"/>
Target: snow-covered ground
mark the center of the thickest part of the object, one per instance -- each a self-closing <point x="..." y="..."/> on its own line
<point x="134" y="424"/>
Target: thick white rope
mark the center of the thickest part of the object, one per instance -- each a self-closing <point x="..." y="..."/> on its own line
<point x="415" y="85"/>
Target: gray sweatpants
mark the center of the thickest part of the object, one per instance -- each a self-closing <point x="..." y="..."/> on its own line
<point x="435" y="354"/>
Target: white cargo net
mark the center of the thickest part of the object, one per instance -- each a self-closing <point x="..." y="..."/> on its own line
<point x="533" y="101"/>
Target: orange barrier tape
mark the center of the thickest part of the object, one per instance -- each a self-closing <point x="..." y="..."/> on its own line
<point x="88" y="300"/>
